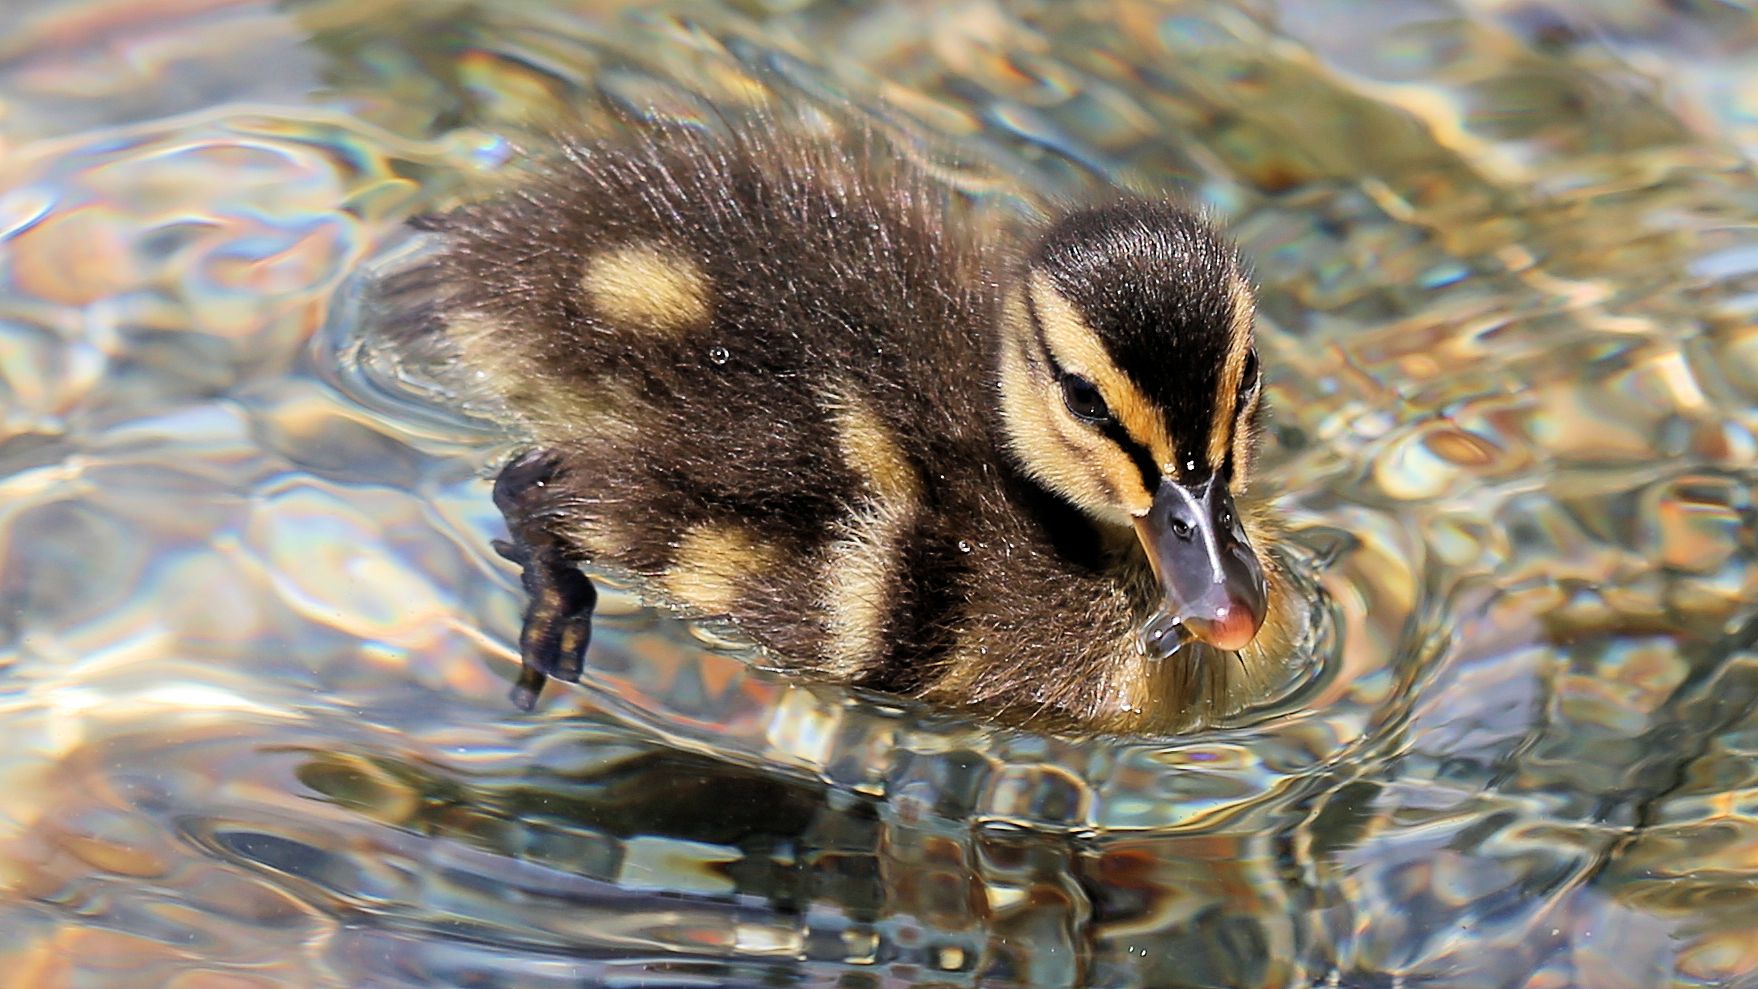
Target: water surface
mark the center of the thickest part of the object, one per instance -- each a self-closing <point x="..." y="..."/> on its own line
<point x="257" y="646"/>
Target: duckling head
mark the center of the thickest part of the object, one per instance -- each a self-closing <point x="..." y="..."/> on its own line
<point x="1130" y="387"/>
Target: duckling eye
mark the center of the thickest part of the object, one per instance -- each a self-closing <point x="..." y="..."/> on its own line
<point x="1083" y="399"/>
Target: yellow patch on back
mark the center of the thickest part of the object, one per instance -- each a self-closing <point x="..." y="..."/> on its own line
<point x="860" y="568"/>
<point x="610" y="411"/>
<point x="871" y="450"/>
<point x="714" y="564"/>
<point x="860" y="573"/>
<point x="602" y="410"/>
<point x="490" y="351"/>
<point x="645" y="286"/>
<point x="602" y="542"/>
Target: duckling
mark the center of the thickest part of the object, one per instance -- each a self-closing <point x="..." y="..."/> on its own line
<point x="794" y="386"/>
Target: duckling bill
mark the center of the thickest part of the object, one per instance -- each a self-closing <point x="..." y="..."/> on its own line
<point x="798" y="388"/>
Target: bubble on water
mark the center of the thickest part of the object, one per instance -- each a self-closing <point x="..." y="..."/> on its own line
<point x="1161" y="635"/>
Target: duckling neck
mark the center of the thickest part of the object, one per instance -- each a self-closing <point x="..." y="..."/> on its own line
<point x="1075" y="536"/>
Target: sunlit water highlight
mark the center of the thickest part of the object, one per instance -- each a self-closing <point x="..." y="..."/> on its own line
<point x="257" y="645"/>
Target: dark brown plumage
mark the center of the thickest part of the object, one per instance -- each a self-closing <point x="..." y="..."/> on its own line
<point x="787" y="383"/>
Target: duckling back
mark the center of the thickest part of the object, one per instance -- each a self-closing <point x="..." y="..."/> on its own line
<point x="748" y="352"/>
<point x="770" y="375"/>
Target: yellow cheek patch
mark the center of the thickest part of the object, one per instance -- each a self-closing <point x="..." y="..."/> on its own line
<point x="1224" y="431"/>
<point x="714" y="563"/>
<point x="647" y="287"/>
<point x="1066" y="456"/>
<point x="1078" y="350"/>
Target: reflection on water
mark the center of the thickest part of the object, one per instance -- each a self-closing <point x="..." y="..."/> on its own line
<point x="257" y="646"/>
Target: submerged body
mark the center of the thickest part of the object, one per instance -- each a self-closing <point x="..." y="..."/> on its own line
<point x="786" y="383"/>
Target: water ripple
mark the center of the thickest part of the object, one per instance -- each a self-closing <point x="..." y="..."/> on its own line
<point x="257" y="645"/>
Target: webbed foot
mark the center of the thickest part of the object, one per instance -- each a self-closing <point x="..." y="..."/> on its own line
<point x="558" y="617"/>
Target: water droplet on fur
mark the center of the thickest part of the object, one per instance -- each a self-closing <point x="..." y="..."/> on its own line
<point x="719" y="355"/>
<point x="964" y="546"/>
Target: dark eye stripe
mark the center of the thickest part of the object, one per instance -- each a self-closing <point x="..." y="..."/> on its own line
<point x="1038" y="334"/>
<point x="1111" y="429"/>
<point x="1144" y="460"/>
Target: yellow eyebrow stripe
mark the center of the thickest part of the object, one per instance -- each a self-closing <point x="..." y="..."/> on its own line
<point x="1225" y="424"/>
<point x="1077" y="348"/>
